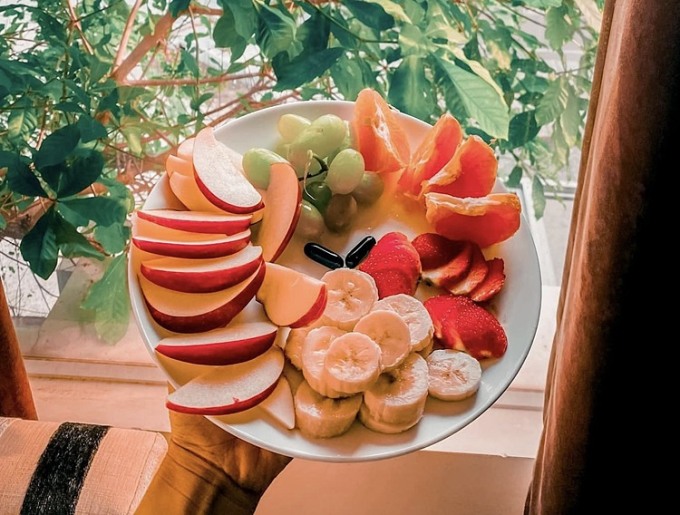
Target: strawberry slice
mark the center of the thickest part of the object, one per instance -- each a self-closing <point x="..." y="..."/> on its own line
<point x="394" y="265"/>
<point x="454" y="271"/>
<point x="435" y="250"/>
<point x="476" y="273"/>
<point x="462" y="324"/>
<point x="492" y="283"/>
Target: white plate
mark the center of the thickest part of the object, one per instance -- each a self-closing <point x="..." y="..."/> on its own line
<point x="517" y="308"/>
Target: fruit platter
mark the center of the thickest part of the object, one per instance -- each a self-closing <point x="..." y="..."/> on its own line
<point x="335" y="281"/>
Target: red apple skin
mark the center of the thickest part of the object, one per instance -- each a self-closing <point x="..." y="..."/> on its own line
<point x="213" y="319"/>
<point x="219" y="353"/>
<point x="230" y="208"/>
<point x="200" y="282"/>
<point x="195" y="250"/>
<point x="227" y="226"/>
<point x="315" y="311"/>
<point x="236" y="407"/>
<point x="281" y="168"/>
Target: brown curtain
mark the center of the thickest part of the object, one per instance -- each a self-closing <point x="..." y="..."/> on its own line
<point x="602" y="435"/>
<point x="16" y="399"/>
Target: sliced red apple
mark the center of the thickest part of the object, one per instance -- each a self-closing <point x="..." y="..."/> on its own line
<point x="291" y="298"/>
<point x="196" y="312"/>
<point x="229" y="389"/>
<point x="197" y="221"/>
<point x="219" y="175"/>
<point x="174" y="164"/>
<point x="215" y="246"/>
<point x="280" y="404"/>
<point x="281" y="211"/>
<point x="192" y="275"/>
<point x="235" y="343"/>
<point x="185" y="150"/>
<point x="186" y="190"/>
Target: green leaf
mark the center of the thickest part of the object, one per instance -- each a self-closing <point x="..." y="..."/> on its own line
<point x="303" y="68"/>
<point x="410" y="90"/>
<point x="523" y="128"/>
<point x="114" y="238"/>
<point x="189" y="61"/>
<point x="20" y="178"/>
<point x="177" y="6"/>
<point x="57" y="146"/>
<point x="109" y="300"/>
<point x="104" y="211"/>
<point x="481" y="100"/>
<point x="543" y="3"/>
<point x="314" y="32"/>
<point x="226" y="36"/>
<point x="90" y="129"/>
<point x="395" y="10"/>
<point x="133" y="136"/>
<point x="68" y="107"/>
<point x="22" y="119"/>
<point x="538" y="197"/>
<point x="515" y="177"/>
<point x="351" y="76"/>
<point x="413" y="42"/>
<point x="3" y="222"/>
<point x="84" y="170"/>
<point x="370" y="14"/>
<point x="559" y="28"/>
<point x="71" y="242"/>
<point x="553" y="102"/>
<point x="570" y="121"/>
<point x="276" y="31"/>
<point x="39" y="246"/>
<point x="244" y="15"/>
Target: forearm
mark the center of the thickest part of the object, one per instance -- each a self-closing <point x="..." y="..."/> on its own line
<point x="185" y="483"/>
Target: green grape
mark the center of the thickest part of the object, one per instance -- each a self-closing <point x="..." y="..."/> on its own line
<point x="369" y="189"/>
<point x="340" y="212"/>
<point x="346" y="143"/>
<point x="345" y="171"/>
<point x="323" y="136"/>
<point x="311" y="223"/>
<point x="303" y="162"/>
<point x="257" y="163"/>
<point x="318" y="194"/>
<point x="282" y="148"/>
<point x="291" y="125"/>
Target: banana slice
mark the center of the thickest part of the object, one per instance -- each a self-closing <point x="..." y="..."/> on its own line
<point x="414" y="314"/>
<point x="351" y="294"/>
<point x="352" y="363"/>
<point x="383" y="427"/>
<point x="320" y="417"/>
<point x="293" y="376"/>
<point x="294" y="342"/>
<point x="390" y="332"/>
<point x="398" y="396"/>
<point x="453" y="375"/>
<point x="314" y="351"/>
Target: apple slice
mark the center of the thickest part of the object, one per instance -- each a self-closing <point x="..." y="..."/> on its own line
<point x="203" y="275"/>
<point x="185" y="189"/>
<point x="219" y="175"/>
<point x="291" y="298"/>
<point x="232" y="344"/>
<point x="280" y="404"/>
<point x="215" y="246"/>
<point x="197" y="221"/>
<point x="196" y="312"/>
<point x="185" y="150"/>
<point x="174" y="164"/>
<point x="281" y="211"/>
<point x="229" y="389"/>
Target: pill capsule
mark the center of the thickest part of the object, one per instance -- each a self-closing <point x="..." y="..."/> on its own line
<point x="359" y="252"/>
<point x="323" y="256"/>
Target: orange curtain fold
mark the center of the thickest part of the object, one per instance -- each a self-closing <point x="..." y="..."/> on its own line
<point x="16" y="399"/>
<point x="596" y="450"/>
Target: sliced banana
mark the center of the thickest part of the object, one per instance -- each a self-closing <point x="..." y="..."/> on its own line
<point x="314" y="351"/>
<point x="352" y="363"/>
<point x="390" y="332"/>
<point x="398" y="396"/>
<point x="351" y="294"/>
<point x="321" y="417"/>
<point x="294" y="341"/>
<point x="453" y="375"/>
<point x="383" y="427"/>
<point x="414" y="314"/>
<point x="293" y="376"/>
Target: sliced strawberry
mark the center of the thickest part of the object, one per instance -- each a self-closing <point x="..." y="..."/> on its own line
<point x="462" y="324"/>
<point x="452" y="272"/>
<point x="394" y="265"/>
<point x="492" y="283"/>
<point x="435" y="250"/>
<point x="476" y="273"/>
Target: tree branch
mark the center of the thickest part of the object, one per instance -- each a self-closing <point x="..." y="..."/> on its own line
<point x="189" y="81"/>
<point x="76" y="23"/>
<point x="126" y="35"/>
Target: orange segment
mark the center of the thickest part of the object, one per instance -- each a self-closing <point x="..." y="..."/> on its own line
<point x="471" y="172"/>
<point x="485" y="221"/>
<point x="380" y="138"/>
<point x="432" y="154"/>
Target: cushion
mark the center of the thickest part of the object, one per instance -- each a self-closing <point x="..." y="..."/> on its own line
<point x="75" y="468"/>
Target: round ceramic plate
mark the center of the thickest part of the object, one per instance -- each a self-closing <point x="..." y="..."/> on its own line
<point x="517" y="308"/>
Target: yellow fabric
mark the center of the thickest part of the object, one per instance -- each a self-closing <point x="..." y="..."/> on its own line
<point x="119" y="474"/>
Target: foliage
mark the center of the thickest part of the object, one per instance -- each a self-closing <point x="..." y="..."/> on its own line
<point x="95" y="94"/>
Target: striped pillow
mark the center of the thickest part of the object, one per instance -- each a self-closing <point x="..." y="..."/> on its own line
<point x="71" y="468"/>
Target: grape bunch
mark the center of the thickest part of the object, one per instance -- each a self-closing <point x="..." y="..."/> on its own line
<point x="332" y="173"/>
